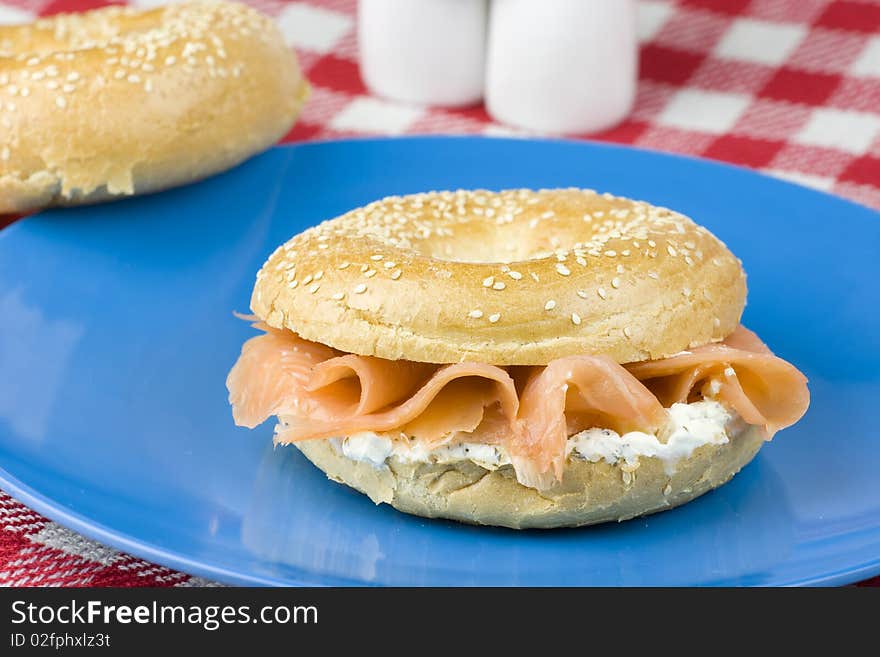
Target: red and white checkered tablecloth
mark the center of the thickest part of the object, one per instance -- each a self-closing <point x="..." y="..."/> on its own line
<point x="790" y="87"/>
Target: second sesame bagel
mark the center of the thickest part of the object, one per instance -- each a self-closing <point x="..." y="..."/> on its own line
<point x="517" y="277"/>
<point x="118" y="101"/>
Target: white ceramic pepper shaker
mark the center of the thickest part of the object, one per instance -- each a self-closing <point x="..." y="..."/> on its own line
<point x="561" y="66"/>
<point x="430" y="52"/>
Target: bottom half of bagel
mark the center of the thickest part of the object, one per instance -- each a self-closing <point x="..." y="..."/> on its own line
<point x="483" y="490"/>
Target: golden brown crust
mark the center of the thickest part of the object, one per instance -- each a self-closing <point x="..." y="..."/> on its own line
<point x="589" y="493"/>
<point x="511" y="278"/>
<point x="117" y="101"/>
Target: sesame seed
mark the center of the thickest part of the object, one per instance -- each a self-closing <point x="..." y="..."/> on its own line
<point x="611" y="253"/>
<point x="562" y="269"/>
<point x="377" y="256"/>
<point x="601" y="292"/>
<point x="370" y="273"/>
<point x="615" y="282"/>
<point x="344" y="265"/>
<point x="475" y="314"/>
<point x="627" y="331"/>
<point x="314" y="288"/>
<point x="494" y="318"/>
<point x="395" y="274"/>
<point x="319" y="275"/>
<point x="338" y="296"/>
<point x="389" y="265"/>
<point x="498" y="286"/>
<point x="582" y="294"/>
<point x="670" y="250"/>
<point x="60" y="102"/>
<point x="728" y="371"/>
<point x="293" y="284"/>
<point x="308" y="279"/>
<point x="360" y="288"/>
<point x="550" y="305"/>
<point x="515" y="275"/>
<point x="654" y="275"/>
<point x="534" y="277"/>
<point x="575" y="319"/>
<point x="488" y="281"/>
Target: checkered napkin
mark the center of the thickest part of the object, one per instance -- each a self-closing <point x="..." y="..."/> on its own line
<point x="790" y="87"/>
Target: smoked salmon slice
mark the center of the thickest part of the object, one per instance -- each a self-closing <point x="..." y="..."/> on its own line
<point x="452" y="400"/>
<point x="567" y="396"/>
<point x="740" y="371"/>
<point x="271" y="376"/>
<point x="279" y="373"/>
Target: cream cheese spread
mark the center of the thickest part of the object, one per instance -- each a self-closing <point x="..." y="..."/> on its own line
<point x="690" y="426"/>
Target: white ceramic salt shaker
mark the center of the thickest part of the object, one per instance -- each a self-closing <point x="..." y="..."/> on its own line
<point x="430" y="52"/>
<point x="561" y="66"/>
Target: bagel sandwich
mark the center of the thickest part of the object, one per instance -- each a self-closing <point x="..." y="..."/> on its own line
<point x="519" y="358"/>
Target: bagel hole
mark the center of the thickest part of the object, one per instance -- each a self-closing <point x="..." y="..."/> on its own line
<point x="484" y="243"/>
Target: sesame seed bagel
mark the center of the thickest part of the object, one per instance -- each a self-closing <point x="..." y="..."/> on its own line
<point x="116" y="101"/>
<point x="517" y="277"/>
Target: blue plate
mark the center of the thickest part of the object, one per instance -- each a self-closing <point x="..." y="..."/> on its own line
<point x="117" y="335"/>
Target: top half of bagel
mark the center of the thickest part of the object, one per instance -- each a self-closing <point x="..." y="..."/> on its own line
<point x="517" y="277"/>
